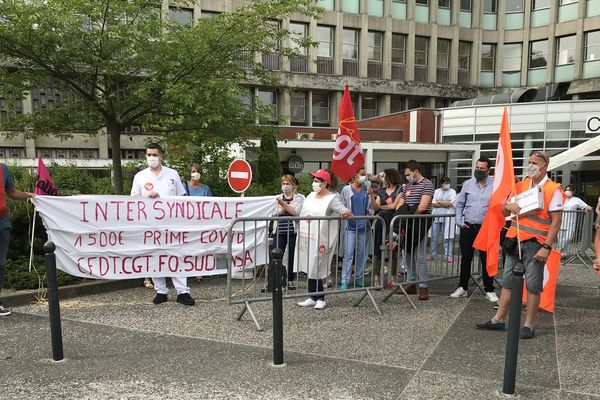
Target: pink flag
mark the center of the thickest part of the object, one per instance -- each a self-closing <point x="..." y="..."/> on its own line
<point x="44" y="185"/>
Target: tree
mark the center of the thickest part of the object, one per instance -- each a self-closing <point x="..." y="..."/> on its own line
<point x="269" y="166"/>
<point x="121" y="64"/>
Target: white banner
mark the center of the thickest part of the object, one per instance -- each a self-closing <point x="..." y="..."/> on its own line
<point x="123" y="237"/>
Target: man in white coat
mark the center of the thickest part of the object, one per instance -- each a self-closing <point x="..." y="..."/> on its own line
<point x="154" y="182"/>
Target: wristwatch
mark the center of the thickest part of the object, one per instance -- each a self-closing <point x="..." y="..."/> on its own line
<point x="546" y="246"/>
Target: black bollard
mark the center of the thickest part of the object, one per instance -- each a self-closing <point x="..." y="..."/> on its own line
<point x="514" y="327"/>
<point x="277" y="278"/>
<point x="53" y="304"/>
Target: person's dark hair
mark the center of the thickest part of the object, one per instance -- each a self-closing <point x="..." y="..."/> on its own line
<point x="413" y="166"/>
<point x="334" y="181"/>
<point x="485" y="160"/>
<point x="444" y="180"/>
<point x="392" y="176"/>
<point x="155" y="146"/>
<point x="194" y="165"/>
<point x="571" y="188"/>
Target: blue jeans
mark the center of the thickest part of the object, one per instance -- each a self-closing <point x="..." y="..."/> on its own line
<point x="359" y="239"/>
<point x="436" y="229"/>
<point x="4" y="239"/>
<point x="414" y="258"/>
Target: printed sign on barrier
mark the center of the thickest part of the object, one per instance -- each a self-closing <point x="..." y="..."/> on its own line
<point x="122" y="237"/>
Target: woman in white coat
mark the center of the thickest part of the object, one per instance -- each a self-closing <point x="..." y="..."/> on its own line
<point x="316" y="241"/>
<point x="569" y="219"/>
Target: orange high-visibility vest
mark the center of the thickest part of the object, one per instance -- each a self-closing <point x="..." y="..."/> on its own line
<point x="534" y="225"/>
<point x="2" y="193"/>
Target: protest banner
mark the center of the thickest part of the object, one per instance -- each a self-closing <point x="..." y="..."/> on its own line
<point x="123" y="237"/>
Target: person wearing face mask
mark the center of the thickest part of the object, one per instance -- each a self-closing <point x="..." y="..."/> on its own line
<point x="316" y="240"/>
<point x="417" y="196"/>
<point x="154" y="182"/>
<point x="194" y="187"/>
<point x="289" y="203"/>
<point x="536" y="233"/>
<point x="443" y="204"/>
<point x="471" y="206"/>
<point x="569" y="220"/>
<point x="356" y="198"/>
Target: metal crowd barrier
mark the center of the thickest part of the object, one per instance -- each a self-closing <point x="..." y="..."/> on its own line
<point x="251" y="286"/>
<point x="575" y="235"/>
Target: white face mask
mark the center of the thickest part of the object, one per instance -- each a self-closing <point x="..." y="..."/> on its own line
<point x="532" y="170"/>
<point x="569" y="193"/>
<point x="446" y="186"/>
<point x="196" y="176"/>
<point x="152" y="161"/>
<point x="316" y="187"/>
<point x="410" y="178"/>
<point x="286" y="188"/>
<point x="362" y="178"/>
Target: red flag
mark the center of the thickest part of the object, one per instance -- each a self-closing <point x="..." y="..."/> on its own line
<point x="488" y="239"/>
<point x="44" y="184"/>
<point x="550" y="278"/>
<point x="348" y="156"/>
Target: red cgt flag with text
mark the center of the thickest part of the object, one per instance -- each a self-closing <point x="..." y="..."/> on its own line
<point x="551" y="269"/>
<point x="44" y="185"/>
<point x="488" y="239"/>
<point x="348" y="156"/>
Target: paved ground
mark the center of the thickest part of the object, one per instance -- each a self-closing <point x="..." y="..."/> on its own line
<point x="119" y="345"/>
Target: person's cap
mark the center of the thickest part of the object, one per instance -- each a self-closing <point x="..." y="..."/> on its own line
<point x="322" y="174"/>
<point x="541" y="154"/>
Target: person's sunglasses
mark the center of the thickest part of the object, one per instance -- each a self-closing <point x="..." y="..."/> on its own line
<point x="539" y="154"/>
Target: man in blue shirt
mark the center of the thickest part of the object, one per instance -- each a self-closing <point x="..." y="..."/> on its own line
<point x="471" y="206"/>
<point x="6" y="189"/>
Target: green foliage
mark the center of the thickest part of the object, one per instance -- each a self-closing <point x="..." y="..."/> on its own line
<point x="305" y="186"/>
<point x="269" y="166"/>
<point x="123" y="63"/>
<point x="18" y="275"/>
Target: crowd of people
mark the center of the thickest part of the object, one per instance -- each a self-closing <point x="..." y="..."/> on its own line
<point x="310" y="244"/>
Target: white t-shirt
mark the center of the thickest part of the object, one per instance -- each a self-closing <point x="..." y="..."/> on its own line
<point x="167" y="183"/>
<point x="575" y="203"/>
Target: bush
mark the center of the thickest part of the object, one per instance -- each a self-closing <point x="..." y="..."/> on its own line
<point x="18" y="275"/>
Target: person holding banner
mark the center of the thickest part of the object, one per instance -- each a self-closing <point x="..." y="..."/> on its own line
<point x="7" y="189"/>
<point x="534" y="233"/>
<point x="316" y="241"/>
<point x="154" y="182"/>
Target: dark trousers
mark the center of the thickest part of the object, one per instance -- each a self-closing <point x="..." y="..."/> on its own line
<point x="316" y="286"/>
<point x="467" y="237"/>
<point x="281" y="241"/>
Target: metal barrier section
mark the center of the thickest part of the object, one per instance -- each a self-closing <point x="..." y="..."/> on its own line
<point x="575" y="235"/>
<point x="316" y="262"/>
<point x="421" y="248"/>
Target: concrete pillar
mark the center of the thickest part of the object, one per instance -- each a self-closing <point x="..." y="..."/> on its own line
<point x="432" y="57"/>
<point x="30" y="151"/>
<point x="579" y="41"/>
<point x="410" y="41"/>
<point x="309" y="103"/>
<point x="335" y="99"/>
<point x="337" y="53"/>
<point x="103" y="140"/>
<point x="499" y="62"/>
<point x="312" y="51"/>
<point x="285" y="61"/>
<point x="369" y="160"/>
<point x="283" y="105"/>
<point x="363" y="44"/>
<point x="526" y="33"/>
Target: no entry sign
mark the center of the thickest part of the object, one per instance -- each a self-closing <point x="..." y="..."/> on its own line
<point x="239" y="176"/>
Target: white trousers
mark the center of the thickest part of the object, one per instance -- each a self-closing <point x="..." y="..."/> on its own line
<point x="160" y="285"/>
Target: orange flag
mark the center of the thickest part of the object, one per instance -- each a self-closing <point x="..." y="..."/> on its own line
<point x="550" y="278"/>
<point x="488" y="239"/>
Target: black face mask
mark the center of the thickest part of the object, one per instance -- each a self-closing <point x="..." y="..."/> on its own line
<point x="479" y="174"/>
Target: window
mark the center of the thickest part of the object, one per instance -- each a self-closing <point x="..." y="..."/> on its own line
<point x="268" y="99"/>
<point x="350" y="44"/>
<point x="514" y="6"/>
<point x="423" y="2"/>
<point x="443" y="60"/>
<point x="490" y="6"/>
<point x="488" y="57"/>
<point x="320" y="109"/>
<point x="421" y="45"/>
<point x="465" y="5"/>
<point x="565" y="50"/>
<point x="540" y="4"/>
<point x="375" y="42"/>
<point x="538" y="52"/>
<point x="298" y="34"/>
<point x="415" y="102"/>
<point x="208" y="14"/>
<point x="464" y="62"/>
<point x="512" y="57"/>
<point x="182" y="16"/>
<point x="325" y="39"/>
<point x="298" y="108"/>
<point x="368" y="106"/>
<point x="398" y="48"/>
<point x="564" y="2"/>
<point x="592" y="45"/>
<point x="444" y="3"/>
<point x="396" y="104"/>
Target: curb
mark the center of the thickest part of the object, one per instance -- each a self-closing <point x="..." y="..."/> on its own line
<point x="24" y="297"/>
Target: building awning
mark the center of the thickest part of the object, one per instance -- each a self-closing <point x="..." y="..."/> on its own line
<point x="515" y="96"/>
<point x="575" y="153"/>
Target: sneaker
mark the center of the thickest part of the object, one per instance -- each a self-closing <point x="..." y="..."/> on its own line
<point x="491" y="326"/>
<point x="492" y="297"/>
<point x="526" y="332"/>
<point x="320" y="305"/>
<point x="160" y="298"/>
<point x="291" y="286"/>
<point x="430" y="258"/>
<point x="458" y="293"/>
<point x="358" y="283"/>
<point x="307" y="303"/>
<point x="450" y="259"/>
<point x="344" y="286"/>
<point x="185" y="299"/>
<point x="4" y="312"/>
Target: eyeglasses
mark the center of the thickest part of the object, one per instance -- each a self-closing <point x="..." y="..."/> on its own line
<point x="539" y="154"/>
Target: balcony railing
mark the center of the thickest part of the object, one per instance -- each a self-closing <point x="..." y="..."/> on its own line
<point x="420" y="73"/>
<point x="350" y="67"/>
<point x="298" y="64"/>
<point x="463" y="77"/>
<point x="398" y="71"/>
<point x="325" y="65"/>
<point x="271" y="61"/>
<point x="442" y="75"/>
<point x="374" y="69"/>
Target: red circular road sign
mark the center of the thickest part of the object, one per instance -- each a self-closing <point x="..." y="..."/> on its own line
<point x="239" y="176"/>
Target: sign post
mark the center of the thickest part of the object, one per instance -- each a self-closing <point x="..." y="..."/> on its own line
<point x="239" y="176"/>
